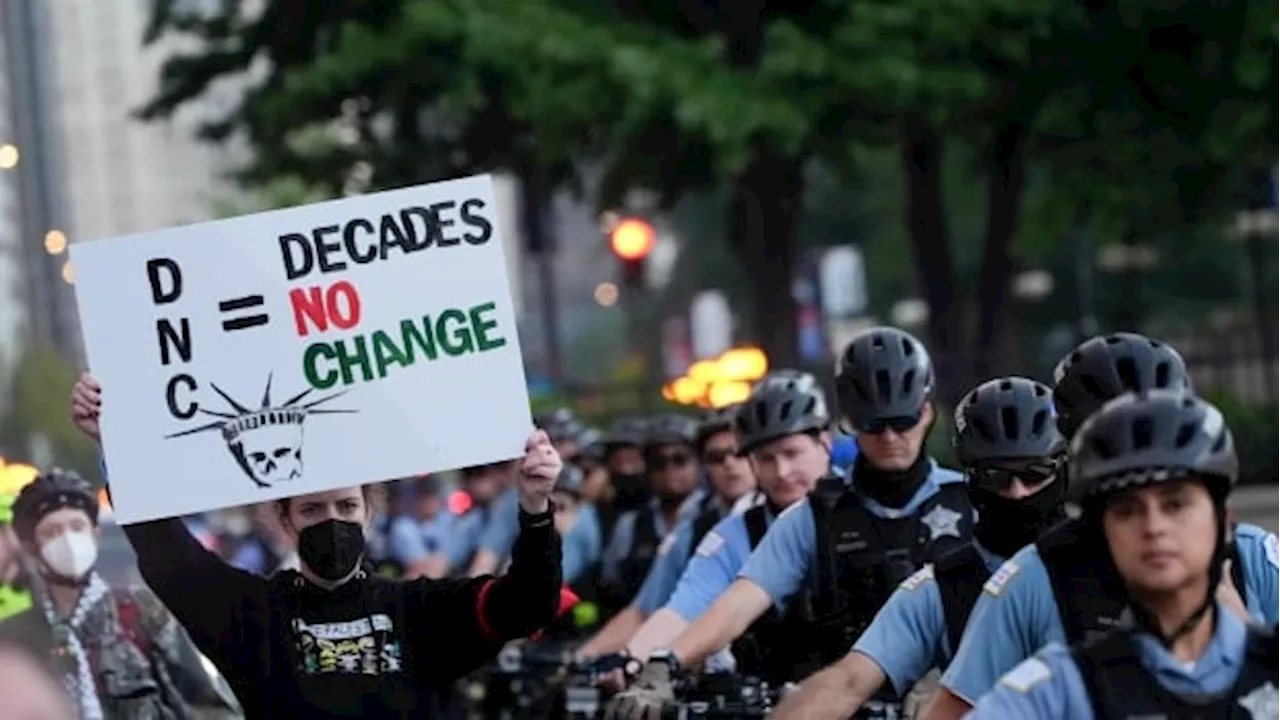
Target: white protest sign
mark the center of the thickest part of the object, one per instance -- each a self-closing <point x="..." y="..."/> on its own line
<point x="302" y="350"/>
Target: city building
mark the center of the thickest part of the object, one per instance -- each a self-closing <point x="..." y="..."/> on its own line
<point x="77" y="71"/>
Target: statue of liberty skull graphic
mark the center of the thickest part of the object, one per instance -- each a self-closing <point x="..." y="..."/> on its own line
<point x="266" y="442"/>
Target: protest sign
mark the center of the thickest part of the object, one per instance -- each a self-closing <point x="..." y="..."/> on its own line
<point x="305" y="349"/>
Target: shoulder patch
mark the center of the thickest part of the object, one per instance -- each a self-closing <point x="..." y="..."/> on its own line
<point x="920" y="577"/>
<point x="711" y="543"/>
<point x="668" y="542"/>
<point x="1029" y="674"/>
<point x="995" y="584"/>
<point x="1271" y="545"/>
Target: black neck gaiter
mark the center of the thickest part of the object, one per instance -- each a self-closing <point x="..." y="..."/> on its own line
<point x="1006" y="525"/>
<point x="893" y="489"/>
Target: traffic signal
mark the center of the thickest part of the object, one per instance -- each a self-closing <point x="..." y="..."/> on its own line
<point x="632" y="240"/>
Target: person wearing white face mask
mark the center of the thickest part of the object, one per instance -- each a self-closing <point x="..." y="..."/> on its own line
<point x="119" y="651"/>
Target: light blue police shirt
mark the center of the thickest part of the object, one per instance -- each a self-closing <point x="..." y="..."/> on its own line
<point x="783" y="561"/>
<point x="503" y="524"/>
<point x="672" y="558"/>
<point x="464" y="538"/>
<point x="713" y="567"/>
<point x="908" y="637"/>
<point x="1016" y="614"/>
<point x="624" y="529"/>
<point x="581" y="544"/>
<point x="1049" y="685"/>
<point x="413" y="540"/>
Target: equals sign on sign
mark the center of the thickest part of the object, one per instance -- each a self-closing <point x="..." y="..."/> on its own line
<point x="247" y="302"/>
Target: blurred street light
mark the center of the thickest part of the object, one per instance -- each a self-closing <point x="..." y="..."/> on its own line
<point x="723" y="381"/>
<point x="1033" y="285"/>
<point x="55" y="242"/>
<point x="606" y="294"/>
<point x="68" y="273"/>
<point x="632" y="240"/>
<point x="727" y="392"/>
<point x="1121" y="257"/>
<point x="910" y="312"/>
<point x="9" y="156"/>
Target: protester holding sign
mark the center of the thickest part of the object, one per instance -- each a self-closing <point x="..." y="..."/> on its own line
<point x="331" y="640"/>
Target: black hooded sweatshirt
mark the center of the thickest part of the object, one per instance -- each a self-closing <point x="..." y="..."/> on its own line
<point x="372" y="648"/>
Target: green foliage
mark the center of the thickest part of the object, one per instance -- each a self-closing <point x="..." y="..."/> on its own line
<point x="40" y="384"/>
<point x="1141" y="112"/>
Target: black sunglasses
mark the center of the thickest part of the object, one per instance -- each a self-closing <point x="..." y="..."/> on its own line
<point x="715" y="457"/>
<point x="876" y="426"/>
<point x="998" y="478"/>
<point x="674" y="460"/>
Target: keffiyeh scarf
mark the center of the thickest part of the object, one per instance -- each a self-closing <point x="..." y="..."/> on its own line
<point x="66" y="633"/>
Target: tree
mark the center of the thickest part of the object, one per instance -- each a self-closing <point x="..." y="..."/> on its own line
<point x="40" y="383"/>
<point x="682" y="96"/>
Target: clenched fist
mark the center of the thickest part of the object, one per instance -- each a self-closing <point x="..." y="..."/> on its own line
<point x="86" y="406"/>
<point x="538" y="472"/>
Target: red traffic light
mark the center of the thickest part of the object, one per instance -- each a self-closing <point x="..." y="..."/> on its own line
<point x="632" y="239"/>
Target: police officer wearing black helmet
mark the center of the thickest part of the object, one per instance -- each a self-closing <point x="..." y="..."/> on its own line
<point x="623" y="456"/>
<point x="731" y="480"/>
<point x="673" y="475"/>
<point x="848" y="545"/>
<point x="1152" y="473"/>
<point x="1053" y="590"/>
<point x="1011" y="451"/>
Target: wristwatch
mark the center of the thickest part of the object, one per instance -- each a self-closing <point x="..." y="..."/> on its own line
<point x="666" y="657"/>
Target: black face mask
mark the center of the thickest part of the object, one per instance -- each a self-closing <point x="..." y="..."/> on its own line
<point x="331" y="549"/>
<point x="630" y="490"/>
<point x="1005" y="525"/>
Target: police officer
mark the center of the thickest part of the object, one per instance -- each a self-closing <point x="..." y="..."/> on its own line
<point x="1152" y="473"/>
<point x="731" y="479"/>
<point x="1053" y="591"/>
<point x="672" y="469"/>
<point x="783" y="430"/>
<point x="1011" y="451"/>
<point x="854" y="539"/>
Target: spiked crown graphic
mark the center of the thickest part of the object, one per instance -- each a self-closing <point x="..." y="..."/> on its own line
<point x="267" y="441"/>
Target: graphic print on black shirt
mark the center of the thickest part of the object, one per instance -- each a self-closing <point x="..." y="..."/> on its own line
<point x="365" y="646"/>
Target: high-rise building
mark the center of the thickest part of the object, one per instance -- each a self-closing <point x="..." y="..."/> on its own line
<point x="78" y="72"/>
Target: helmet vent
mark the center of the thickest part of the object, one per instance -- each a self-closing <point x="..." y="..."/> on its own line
<point x="1090" y="384"/>
<point x="1220" y="444"/>
<point x="1009" y="419"/>
<point x="1162" y="375"/>
<point x="908" y="347"/>
<point x="1039" y="421"/>
<point x="884" y="388"/>
<point x="785" y="410"/>
<point x="982" y="428"/>
<point x="1128" y="373"/>
<point x="1186" y="433"/>
<point x="1142" y="433"/>
<point x="1102" y="448"/>
<point x="762" y="414"/>
<point x="908" y="378"/>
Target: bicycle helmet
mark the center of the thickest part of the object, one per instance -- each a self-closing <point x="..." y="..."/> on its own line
<point x="569" y="481"/>
<point x="786" y="376"/>
<point x="714" y="422"/>
<point x="1006" y="418"/>
<point x="51" y="491"/>
<point x="560" y="425"/>
<point x="884" y="373"/>
<point x="625" y="432"/>
<point x="778" y="410"/>
<point x="1152" y="437"/>
<point x="671" y="429"/>
<point x="1104" y="367"/>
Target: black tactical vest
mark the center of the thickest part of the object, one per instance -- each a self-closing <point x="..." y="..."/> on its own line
<point x="1086" y="588"/>
<point x="862" y="558"/>
<point x="709" y="513"/>
<point x="776" y="647"/>
<point x="960" y="575"/>
<point x="1120" y="688"/>
<point x="644" y="547"/>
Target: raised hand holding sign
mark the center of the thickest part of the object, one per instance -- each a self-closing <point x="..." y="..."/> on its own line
<point x="538" y="473"/>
